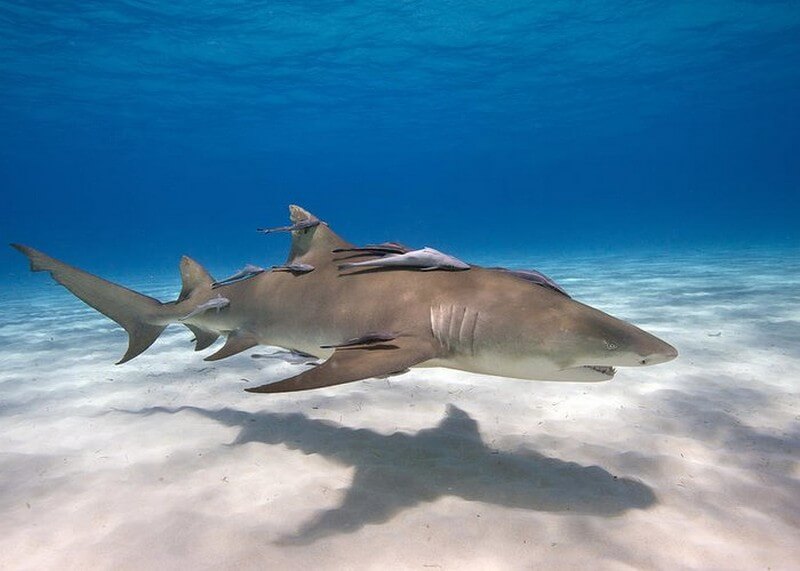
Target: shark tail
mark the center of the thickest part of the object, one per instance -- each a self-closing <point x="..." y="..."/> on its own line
<point x="143" y="317"/>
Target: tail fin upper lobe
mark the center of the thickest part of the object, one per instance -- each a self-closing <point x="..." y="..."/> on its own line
<point x="143" y="317"/>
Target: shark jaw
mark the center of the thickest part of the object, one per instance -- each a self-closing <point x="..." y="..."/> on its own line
<point x="529" y="369"/>
<point x="589" y="373"/>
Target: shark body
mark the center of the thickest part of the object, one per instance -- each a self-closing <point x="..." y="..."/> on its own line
<point x="479" y="320"/>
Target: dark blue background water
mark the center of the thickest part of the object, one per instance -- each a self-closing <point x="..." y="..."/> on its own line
<point x="133" y="132"/>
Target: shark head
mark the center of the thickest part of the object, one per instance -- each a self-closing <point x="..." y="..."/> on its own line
<point x="590" y="344"/>
<point x="544" y="335"/>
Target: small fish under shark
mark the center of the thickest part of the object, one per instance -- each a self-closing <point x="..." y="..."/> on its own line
<point x="370" y="324"/>
<point x="370" y="338"/>
<point x="288" y="356"/>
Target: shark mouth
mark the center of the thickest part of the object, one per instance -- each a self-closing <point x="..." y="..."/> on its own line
<point x="586" y="373"/>
<point x="610" y="371"/>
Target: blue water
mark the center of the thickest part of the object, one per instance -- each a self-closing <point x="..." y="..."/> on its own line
<point x="133" y="132"/>
<point x="643" y="154"/>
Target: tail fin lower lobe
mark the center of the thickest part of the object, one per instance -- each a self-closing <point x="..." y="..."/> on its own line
<point x="143" y="317"/>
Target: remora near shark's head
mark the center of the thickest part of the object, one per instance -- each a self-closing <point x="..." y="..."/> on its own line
<point x="484" y="320"/>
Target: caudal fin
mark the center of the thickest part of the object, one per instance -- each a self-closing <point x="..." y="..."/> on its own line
<point x="143" y="317"/>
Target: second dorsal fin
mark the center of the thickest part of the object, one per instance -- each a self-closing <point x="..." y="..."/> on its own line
<point x="193" y="276"/>
<point x="309" y="242"/>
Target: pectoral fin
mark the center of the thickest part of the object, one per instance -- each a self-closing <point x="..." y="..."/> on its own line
<point x="348" y="364"/>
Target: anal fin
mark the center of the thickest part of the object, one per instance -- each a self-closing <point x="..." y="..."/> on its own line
<point x="204" y="338"/>
<point x="348" y="364"/>
<point x="236" y="342"/>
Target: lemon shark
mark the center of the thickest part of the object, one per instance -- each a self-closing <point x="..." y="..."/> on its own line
<point x="375" y="321"/>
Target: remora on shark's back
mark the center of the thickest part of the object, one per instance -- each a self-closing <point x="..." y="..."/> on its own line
<point x="426" y="259"/>
<point x="379" y="320"/>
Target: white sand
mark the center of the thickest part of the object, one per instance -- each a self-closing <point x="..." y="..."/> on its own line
<point x="166" y="463"/>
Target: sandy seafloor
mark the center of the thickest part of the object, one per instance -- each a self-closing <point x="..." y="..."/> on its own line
<point x="166" y="463"/>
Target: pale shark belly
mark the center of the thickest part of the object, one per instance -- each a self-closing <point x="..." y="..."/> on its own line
<point x="540" y="369"/>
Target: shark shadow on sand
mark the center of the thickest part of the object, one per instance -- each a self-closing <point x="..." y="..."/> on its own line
<point x="402" y="470"/>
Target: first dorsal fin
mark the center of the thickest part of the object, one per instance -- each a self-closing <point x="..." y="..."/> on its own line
<point x="309" y="242"/>
<point x="193" y="276"/>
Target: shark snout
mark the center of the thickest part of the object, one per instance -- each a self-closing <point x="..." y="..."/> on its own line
<point x="662" y="353"/>
<point x="611" y="342"/>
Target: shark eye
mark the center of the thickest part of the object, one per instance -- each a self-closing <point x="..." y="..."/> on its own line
<point x="609" y="345"/>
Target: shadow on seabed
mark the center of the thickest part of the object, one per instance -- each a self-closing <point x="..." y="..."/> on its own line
<point x="402" y="470"/>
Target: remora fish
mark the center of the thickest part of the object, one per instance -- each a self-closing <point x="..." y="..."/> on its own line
<point x="535" y="277"/>
<point x="295" y="227"/>
<point x="382" y="248"/>
<point x="424" y="259"/>
<point x="294" y="268"/>
<point x="217" y="303"/>
<point x="477" y="320"/>
<point x="248" y="271"/>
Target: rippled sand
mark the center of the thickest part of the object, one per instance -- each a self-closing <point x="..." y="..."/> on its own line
<point x="165" y="462"/>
